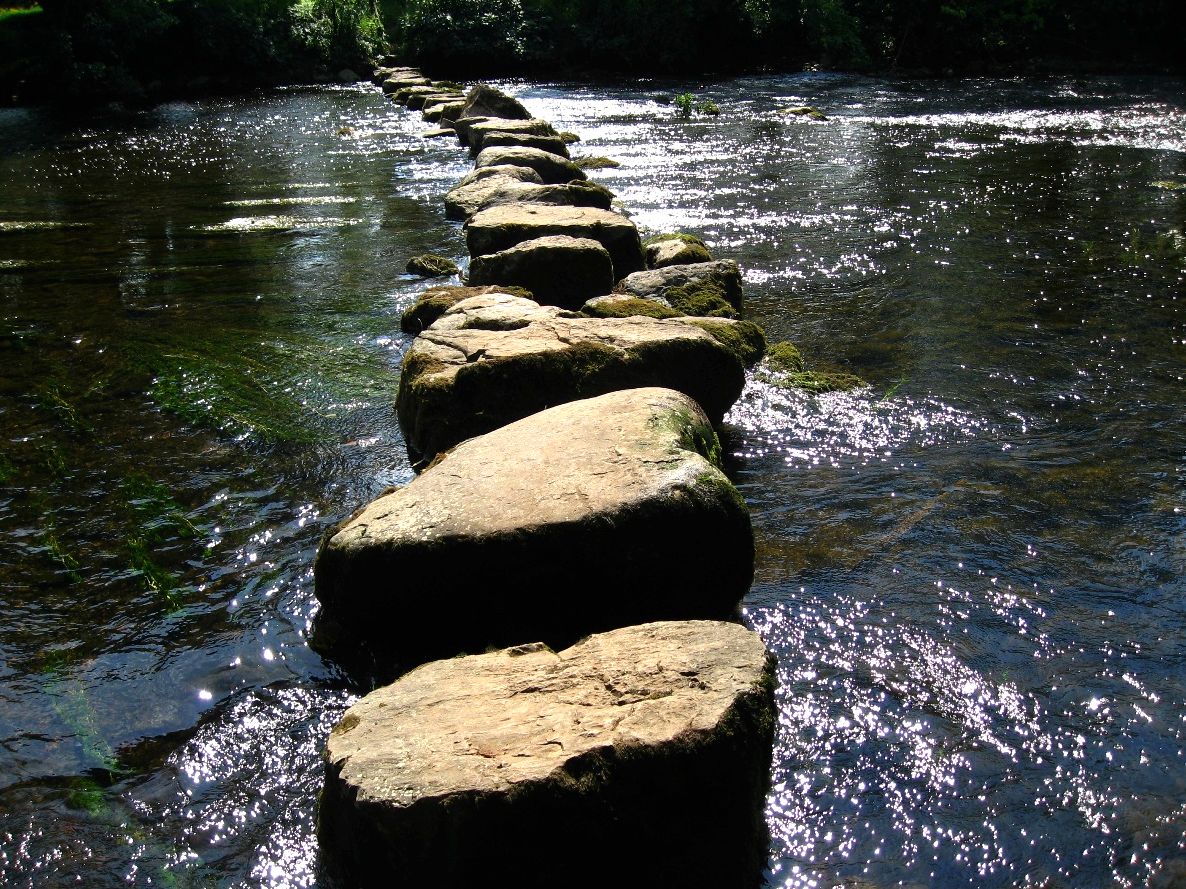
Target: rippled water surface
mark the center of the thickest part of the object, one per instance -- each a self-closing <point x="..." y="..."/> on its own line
<point x="971" y="570"/>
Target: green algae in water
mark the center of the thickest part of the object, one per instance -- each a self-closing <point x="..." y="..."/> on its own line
<point x="250" y="224"/>
<point x="12" y="226"/>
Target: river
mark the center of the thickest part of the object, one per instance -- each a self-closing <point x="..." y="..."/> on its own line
<point x="971" y="572"/>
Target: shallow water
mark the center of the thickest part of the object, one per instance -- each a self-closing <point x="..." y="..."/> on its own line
<point x="971" y="571"/>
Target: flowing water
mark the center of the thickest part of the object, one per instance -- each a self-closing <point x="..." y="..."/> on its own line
<point x="971" y="571"/>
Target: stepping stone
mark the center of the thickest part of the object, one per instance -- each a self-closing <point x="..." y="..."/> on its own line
<point x="552" y="168"/>
<point x="551" y="144"/>
<point x="588" y="516"/>
<point x="486" y="101"/>
<point x="470" y="198"/>
<point x="498" y="228"/>
<point x="675" y="250"/>
<point x="480" y="130"/>
<point x="491" y="360"/>
<point x="558" y="270"/>
<point x="656" y="283"/>
<point x="638" y="757"/>
<point x="437" y="300"/>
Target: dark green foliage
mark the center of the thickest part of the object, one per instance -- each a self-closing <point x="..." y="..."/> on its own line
<point x="105" y="49"/>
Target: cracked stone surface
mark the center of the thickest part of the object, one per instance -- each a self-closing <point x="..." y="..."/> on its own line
<point x="592" y="515"/>
<point x="518" y="758"/>
<point x="490" y="360"/>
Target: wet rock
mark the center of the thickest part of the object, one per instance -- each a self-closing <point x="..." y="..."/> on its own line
<point x="498" y="228"/>
<point x="436" y="133"/>
<point x="429" y="265"/>
<point x="679" y="249"/>
<point x="806" y="111"/>
<point x="685" y="281"/>
<point x="462" y="124"/>
<point x="558" y="270"/>
<point x="784" y="367"/>
<point x="492" y="360"/>
<point x="486" y="101"/>
<point x="435" y="301"/>
<point x="516" y="767"/>
<point x="552" y="168"/>
<point x="464" y="201"/>
<point x="584" y="517"/>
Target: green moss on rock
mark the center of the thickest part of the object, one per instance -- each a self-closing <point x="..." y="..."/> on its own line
<point x="596" y="163"/>
<point x="744" y="339"/>
<point x="690" y="240"/>
<point x="702" y="298"/>
<point x="629" y="308"/>
<point x="430" y="265"/>
<point x="784" y="356"/>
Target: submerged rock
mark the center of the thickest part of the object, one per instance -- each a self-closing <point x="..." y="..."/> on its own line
<point x="491" y="360"/>
<point x="559" y="270"/>
<point x="501" y="227"/>
<point x="552" y="168"/>
<point x="689" y="288"/>
<point x="784" y="367"/>
<point x="523" y="767"/>
<point x="584" y="517"/>
<point x="429" y="265"/>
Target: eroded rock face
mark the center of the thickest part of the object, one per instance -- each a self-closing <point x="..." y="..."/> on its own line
<point x="552" y="168"/>
<point x="491" y="360"/>
<point x="721" y="274"/>
<point x="558" y="270"/>
<point x="501" y="227"/>
<point x="645" y="748"/>
<point x="588" y="516"/>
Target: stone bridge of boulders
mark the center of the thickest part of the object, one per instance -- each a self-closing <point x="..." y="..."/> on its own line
<point x="550" y="607"/>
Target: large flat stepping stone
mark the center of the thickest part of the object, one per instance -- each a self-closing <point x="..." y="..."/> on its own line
<point x="501" y="227"/>
<point x="588" y="516"/>
<point x="491" y="360"/>
<point x="643" y="751"/>
<point x="470" y="197"/>
<point x="558" y="270"/>
<point x="552" y="168"/>
<point x="435" y="301"/>
<point x="478" y="132"/>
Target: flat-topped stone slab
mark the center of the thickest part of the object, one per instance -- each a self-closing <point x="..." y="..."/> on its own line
<point x="435" y="301"/>
<point x="644" y="750"/>
<point x="551" y="144"/>
<point x="588" y="516"/>
<point x="558" y="270"/>
<point x="501" y="227"/>
<point x="464" y="200"/>
<point x="552" y="168"/>
<point x="490" y="360"/>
